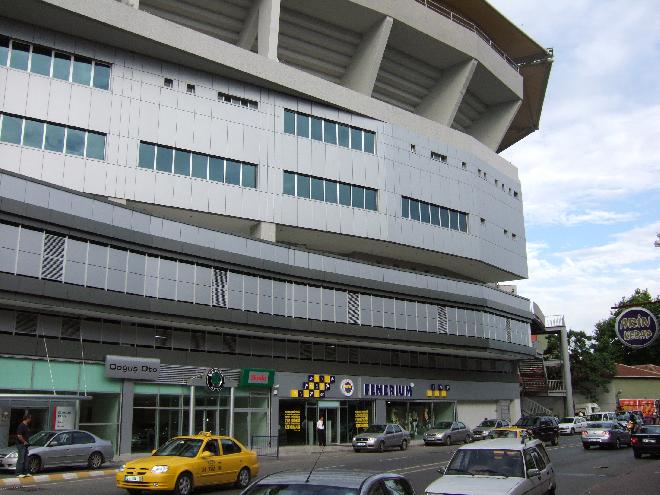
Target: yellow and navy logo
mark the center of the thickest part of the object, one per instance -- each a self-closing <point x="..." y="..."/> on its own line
<point x="438" y="390"/>
<point x="347" y="388"/>
<point x="315" y="386"/>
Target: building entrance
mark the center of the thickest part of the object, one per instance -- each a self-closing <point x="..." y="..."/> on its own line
<point x="331" y="419"/>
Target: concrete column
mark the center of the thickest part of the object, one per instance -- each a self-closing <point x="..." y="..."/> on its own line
<point x="264" y="231"/>
<point x="248" y="34"/>
<point x="231" y="411"/>
<point x="362" y="71"/>
<point x="515" y="410"/>
<point x="381" y="412"/>
<point x="566" y="371"/>
<point x="126" y="417"/>
<point x="442" y="102"/>
<point x="269" y="28"/>
<point x="191" y="412"/>
<point x="493" y="124"/>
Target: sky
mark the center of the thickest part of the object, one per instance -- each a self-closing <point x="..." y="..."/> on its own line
<point x="591" y="175"/>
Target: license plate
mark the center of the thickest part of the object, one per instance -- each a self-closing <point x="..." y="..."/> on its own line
<point x="648" y="440"/>
<point x="132" y="478"/>
<point x="360" y="444"/>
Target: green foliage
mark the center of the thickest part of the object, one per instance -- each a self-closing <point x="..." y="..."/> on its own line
<point x="590" y="371"/>
<point x="552" y="349"/>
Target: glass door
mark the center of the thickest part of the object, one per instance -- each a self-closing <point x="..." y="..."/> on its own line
<point x="332" y="427"/>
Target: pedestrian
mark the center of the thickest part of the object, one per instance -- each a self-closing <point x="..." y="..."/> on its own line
<point x="22" y="439"/>
<point x="320" y="431"/>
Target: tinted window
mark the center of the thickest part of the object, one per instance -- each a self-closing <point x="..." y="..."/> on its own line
<point x="330" y="191"/>
<point x="54" y="138"/>
<point x="41" y="58"/>
<point x="357" y="196"/>
<point x="20" y="52"/>
<point x="4" y="50"/>
<point x="61" y="66"/>
<point x="330" y="132"/>
<point x="217" y="169"/>
<point x="11" y="129"/>
<point x="101" y="76"/>
<point x="302" y="125"/>
<point x="343" y="135"/>
<point x="62" y="439"/>
<point x="540" y="463"/>
<point x="233" y="173"/>
<point x="95" y="145"/>
<point x="75" y="142"/>
<point x="289" y="183"/>
<point x="82" y="437"/>
<point x="302" y="186"/>
<point x="356" y="139"/>
<point x="370" y="199"/>
<point x="82" y="70"/>
<point x="147" y="154"/>
<point x="199" y="166"/>
<point x="317" y="129"/>
<point x="369" y="142"/>
<point x="229" y="447"/>
<point x="249" y="175"/>
<point x="33" y="133"/>
<point x="181" y="162"/>
<point x="317" y="189"/>
<point x="164" y="159"/>
<point x="345" y="194"/>
<point x="289" y="122"/>
<point x="212" y="447"/>
<point x="405" y="207"/>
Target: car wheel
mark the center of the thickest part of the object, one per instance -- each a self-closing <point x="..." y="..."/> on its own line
<point x="243" y="479"/>
<point x="586" y="447"/>
<point x="555" y="440"/>
<point x="572" y="431"/>
<point x="448" y="441"/>
<point x="95" y="460"/>
<point x="404" y="444"/>
<point x="381" y="446"/>
<point x="34" y="464"/>
<point x="468" y="439"/>
<point x="637" y="454"/>
<point x="183" y="485"/>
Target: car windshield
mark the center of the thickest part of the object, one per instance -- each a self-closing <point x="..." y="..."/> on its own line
<point x="180" y="447"/>
<point x="375" y="429"/>
<point x="526" y="422"/>
<point x="503" y="433"/>
<point x="443" y="425"/>
<point x="299" y="489"/>
<point x="488" y="423"/>
<point x="595" y="417"/>
<point x="650" y="429"/>
<point x="566" y="420"/>
<point x="601" y="426"/>
<point x="486" y="462"/>
<point x="40" y="439"/>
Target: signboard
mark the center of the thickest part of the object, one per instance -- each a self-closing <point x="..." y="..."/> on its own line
<point x="292" y="419"/>
<point x="636" y="327"/>
<point x="132" y="368"/>
<point x="361" y="418"/>
<point x="215" y="380"/>
<point x="315" y="386"/>
<point x="257" y="378"/>
<point x="64" y="418"/>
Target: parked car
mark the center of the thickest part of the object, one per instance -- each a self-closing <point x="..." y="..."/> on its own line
<point x="602" y="416"/>
<point x="331" y="483"/>
<point x="545" y="428"/>
<point x="572" y="425"/>
<point x="381" y="437"/>
<point x="646" y="441"/>
<point x="49" y="449"/>
<point x="446" y="432"/>
<point x="484" y="428"/>
<point x="508" y="432"/>
<point x="605" y="434"/>
<point x="500" y="466"/>
<point x="187" y="462"/>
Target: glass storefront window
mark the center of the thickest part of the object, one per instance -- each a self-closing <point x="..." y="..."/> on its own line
<point x="417" y="417"/>
<point x="144" y="430"/>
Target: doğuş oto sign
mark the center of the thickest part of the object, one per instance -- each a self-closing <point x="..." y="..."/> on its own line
<point x="636" y="327"/>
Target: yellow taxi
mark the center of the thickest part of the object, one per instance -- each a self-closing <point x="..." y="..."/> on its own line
<point x="508" y="432"/>
<point x="187" y="462"/>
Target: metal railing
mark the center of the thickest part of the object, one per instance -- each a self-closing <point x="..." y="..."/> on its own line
<point x="265" y="445"/>
<point x="556" y="386"/>
<point x="532" y="408"/>
<point x="437" y="7"/>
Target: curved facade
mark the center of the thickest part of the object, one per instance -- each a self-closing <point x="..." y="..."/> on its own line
<point x="313" y="186"/>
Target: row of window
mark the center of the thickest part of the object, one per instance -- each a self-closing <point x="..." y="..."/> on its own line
<point x="435" y="215"/>
<point x="51" y="137"/>
<point x="237" y="100"/>
<point x="52" y="63"/>
<point x="29" y="252"/>
<point x="330" y="191"/>
<point x="132" y="335"/>
<point x="182" y="162"/>
<point x="328" y="131"/>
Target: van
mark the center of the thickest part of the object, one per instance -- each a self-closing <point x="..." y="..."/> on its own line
<point x="602" y="416"/>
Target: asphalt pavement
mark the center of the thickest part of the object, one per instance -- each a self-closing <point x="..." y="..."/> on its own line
<point x="579" y="472"/>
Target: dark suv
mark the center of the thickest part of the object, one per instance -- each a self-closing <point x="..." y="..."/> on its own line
<point x="545" y="428"/>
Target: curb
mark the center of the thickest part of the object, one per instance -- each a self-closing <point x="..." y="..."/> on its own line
<point x="46" y="478"/>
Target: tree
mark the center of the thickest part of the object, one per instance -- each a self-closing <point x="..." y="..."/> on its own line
<point x="591" y="371"/>
<point x="608" y="344"/>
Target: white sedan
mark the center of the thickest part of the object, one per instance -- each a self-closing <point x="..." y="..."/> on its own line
<point x="572" y="425"/>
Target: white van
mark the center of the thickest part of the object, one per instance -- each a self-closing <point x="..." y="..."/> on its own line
<point x="602" y="416"/>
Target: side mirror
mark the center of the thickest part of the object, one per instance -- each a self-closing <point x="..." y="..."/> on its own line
<point x="206" y="454"/>
<point x="153" y="452"/>
<point x="533" y="472"/>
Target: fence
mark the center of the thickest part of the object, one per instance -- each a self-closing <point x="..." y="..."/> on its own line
<point x="266" y="446"/>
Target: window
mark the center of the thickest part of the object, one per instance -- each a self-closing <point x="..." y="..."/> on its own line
<point x="212" y="447"/>
<point x="344" y="135"/>
<point x="101" y="75"/>
<point x="317" y="189"/>
<point x="199" y="166"/>
<point x="147" y="155"/>
<point x="4" y="50"/>
<point x="344" y="194"/>
<point x="190" y="89"/>
<point x="182" y="162"/>
<point x="233" y="172"/>
<point x="289" y="183"/>
<point x="369" y="142"/>
<point x="11" y="129"/>
<point x="433" y="214"/>
<point x="216" y="169"/>
<point x="82" y="70"/>
<point x="168" y="83"/>
<point x="289" y="122"/>
<point x="330" y="132"/>
<point x="55" y="138"/>
<point x="405" y="207"/>
<point x="95" y="146"/>
<point x="81" y="437"/>
<point x="513" y="236"/>
<point x="329" y="191"/>
<point x="62" y="66"/>
<point x="464" y="165"/>
<point x="33" y="133"/>
<point x="438" y="156"/>
<point x="235" y="100"/>
<point x="413" y="148"/>
<point x="229" y="447"/>
<point x="164" y="159"/>
<point x="317" y="129"/>
<point x="515" y="194"/>
<point x="356" y="139"/>
<point x="302" y="125"/>
<point x="41" y="60"/>
<point x="19" y="56"/>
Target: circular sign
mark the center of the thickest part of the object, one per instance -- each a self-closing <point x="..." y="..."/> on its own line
<point x="215" y="380"/>
<point x="636" y="327"/>
<point x="347" y="388"/>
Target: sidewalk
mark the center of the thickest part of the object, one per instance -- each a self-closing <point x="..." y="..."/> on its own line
<point x="49" y="478"/>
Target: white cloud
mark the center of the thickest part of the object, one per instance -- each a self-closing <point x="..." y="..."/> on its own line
<point x="584" y="283"/>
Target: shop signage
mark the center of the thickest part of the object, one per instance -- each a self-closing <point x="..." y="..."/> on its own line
<point x="215" y="380"/>
<point x="387" y="390"/>
<point x="347" y="387"/>
<point x="636" y="327"/>
<point x="292" y="419"/>
<point x="315" y="386"/>
<point x="438" y="390"/>
<point x="256" y="378"/>
<point x="64" y="418"/>
<point x="362" y="418"/>
<point x="132" y="368"/>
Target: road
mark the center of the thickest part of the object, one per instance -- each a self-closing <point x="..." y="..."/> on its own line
<point x="579" y="472"/>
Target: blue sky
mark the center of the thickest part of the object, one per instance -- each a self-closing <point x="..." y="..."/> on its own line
<point x="591" y="175"/>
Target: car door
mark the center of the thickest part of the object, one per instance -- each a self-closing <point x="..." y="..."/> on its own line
<point x="546" y="470"/>
<point x="534" y="483"/>
<point x="398" y="435"/>
<point x="461" y="431"/>
<point x="232" y="460"/>
<point x="390" y="436"/>
<point x="211" y="466"/>
<point x="58" y="451"/>
<point x="82" y="445"/>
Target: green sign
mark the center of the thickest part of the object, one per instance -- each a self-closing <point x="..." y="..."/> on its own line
<point x="256" y="378"/>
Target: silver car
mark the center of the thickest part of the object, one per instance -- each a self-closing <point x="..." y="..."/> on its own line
<point x="50" y="449"/>
<point x="482" y="431"/>
<point x="448" y="432"/>
<point x="381" y="437"/>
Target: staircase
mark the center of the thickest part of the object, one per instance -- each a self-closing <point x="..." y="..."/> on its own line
<point x="530" y="407"/>
<point x="532" y="376"/>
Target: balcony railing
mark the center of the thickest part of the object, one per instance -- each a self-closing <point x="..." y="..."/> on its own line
<point x="556" y="386"/>
<point x="437" y="7"/>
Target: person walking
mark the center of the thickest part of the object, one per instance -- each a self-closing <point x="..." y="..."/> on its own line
<point x="320" y="431"/>
<point x="23" y="443"/>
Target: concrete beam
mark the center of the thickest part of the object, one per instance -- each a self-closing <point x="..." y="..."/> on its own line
<point x="442" y="102"/>
<point x="248" y="34"/>
<point x="265" y="231"/>
<point x="492" y="126"/>
<point x="269" y="28"/>
<point x="363" y="69"/>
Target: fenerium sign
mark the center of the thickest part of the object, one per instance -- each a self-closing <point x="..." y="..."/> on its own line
<point x="636" y="327"/>
<point x="387" y="390"/>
